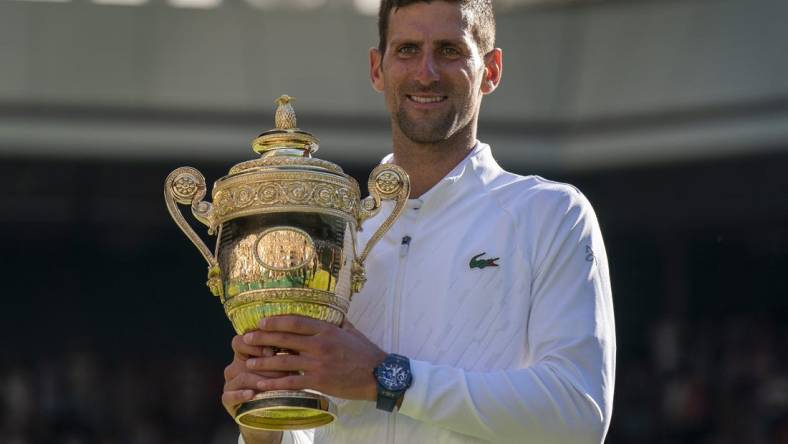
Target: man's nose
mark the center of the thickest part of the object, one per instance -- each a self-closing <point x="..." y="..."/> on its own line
<point x="427" y="70"/>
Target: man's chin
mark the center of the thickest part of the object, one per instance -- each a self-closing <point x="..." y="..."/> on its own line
<point x="426" y="137"/>
<point x="425" y="131"/>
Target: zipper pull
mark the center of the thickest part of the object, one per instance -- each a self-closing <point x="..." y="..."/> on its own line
<point x="404" y="246"/>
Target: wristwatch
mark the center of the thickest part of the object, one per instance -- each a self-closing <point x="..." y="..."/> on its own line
<point x="394" y="377"/>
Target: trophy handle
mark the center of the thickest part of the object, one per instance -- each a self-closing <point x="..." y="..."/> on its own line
<point x="386" y="182"/>
<point x="186" y="186"/>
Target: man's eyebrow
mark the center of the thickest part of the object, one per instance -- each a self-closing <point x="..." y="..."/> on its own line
<point x="439" y="43"/>
<point x="451" y="42"/>
<point x="401" y="40"/>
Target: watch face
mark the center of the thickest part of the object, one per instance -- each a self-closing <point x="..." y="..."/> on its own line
<point x="393" y="376"/>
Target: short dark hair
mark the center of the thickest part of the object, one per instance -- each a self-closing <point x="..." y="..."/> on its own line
<point x="478" y="12"/>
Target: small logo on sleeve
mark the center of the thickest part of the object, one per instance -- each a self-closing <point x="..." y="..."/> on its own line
<point x="476" y="262"/>
<point x="590" y="254"/>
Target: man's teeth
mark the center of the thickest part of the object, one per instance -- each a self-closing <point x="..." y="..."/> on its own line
<point x="418" y="99"/>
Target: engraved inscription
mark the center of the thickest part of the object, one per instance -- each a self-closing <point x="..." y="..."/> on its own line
<point x="284" y="249"/>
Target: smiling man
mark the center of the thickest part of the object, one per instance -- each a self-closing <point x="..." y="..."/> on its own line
<point x="487" y="316"/>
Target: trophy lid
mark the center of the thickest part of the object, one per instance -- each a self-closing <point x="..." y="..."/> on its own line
<point x="285" y="178"/>
<point x="286" y="146"/>
<point x="286" y="135"/>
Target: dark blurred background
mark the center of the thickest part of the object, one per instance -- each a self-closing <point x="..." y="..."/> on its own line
<point x="671" y="116"/>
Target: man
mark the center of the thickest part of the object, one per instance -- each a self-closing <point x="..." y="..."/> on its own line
<point x="492" y="289"/>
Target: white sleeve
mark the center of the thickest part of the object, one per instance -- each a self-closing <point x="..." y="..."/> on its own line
<point x="300" y="437"/>
<point x="291" y="437"/>
<point x="565" y="395"/>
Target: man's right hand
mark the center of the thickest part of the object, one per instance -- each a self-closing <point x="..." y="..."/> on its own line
<point x="240" y="386"/>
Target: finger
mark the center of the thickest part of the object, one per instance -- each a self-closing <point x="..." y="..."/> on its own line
<point x="281" y="363"/>
<point x="230" y="399"/>
<point x="232" y="372"/>
<point x="292" y="382"/>
<point x="244" y="381"/>
<point x="234" y="369"/>
<point x="249" y="382"/>
<point x="244" y="350"/>
<point x="272" y="374"/>
<point x="269" y="351"/>
<point x="279" y="340"/>
<point x="293" y="324"/>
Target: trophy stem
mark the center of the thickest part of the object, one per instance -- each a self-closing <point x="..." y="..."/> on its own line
<point x="286" y="410"/>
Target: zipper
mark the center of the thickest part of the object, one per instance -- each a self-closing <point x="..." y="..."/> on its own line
<point x="404" y="248"/>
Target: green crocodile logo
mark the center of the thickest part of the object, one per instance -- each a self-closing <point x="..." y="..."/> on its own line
<point x="481" y="263"/>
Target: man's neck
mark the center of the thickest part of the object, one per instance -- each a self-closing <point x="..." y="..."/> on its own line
<point x="427" y="164"/>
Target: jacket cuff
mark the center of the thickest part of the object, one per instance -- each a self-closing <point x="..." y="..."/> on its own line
<point x="416" y="394"/>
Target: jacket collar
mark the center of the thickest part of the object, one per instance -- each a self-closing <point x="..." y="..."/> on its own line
<point x="477" y="168"/>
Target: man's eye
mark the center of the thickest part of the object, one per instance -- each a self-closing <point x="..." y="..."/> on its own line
<point x="407" y="50"/>
<point x="449" y="51"/>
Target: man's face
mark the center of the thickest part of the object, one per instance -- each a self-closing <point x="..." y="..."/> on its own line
<point x="432" y="73"/>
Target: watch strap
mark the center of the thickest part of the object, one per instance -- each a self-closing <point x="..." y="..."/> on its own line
<point x="387" y="403"/>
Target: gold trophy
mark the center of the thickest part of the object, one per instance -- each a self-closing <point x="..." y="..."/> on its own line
<point x="285" y="226"/>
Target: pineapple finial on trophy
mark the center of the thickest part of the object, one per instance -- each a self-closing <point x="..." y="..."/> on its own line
<point x="285" y="118"/>
<point x="286" y="139"/>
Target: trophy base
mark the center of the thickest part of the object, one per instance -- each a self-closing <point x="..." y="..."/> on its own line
<point x="286" y="410"/>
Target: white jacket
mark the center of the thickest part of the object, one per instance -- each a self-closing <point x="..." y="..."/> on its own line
<point x="522" y="351"/>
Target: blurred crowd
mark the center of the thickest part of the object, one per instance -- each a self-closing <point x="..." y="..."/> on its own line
<point x="81" y="397"/>
<point x="709" y="381"/>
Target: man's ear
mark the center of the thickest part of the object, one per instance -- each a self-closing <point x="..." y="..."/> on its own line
<point x="493" y="66"/>
<point x="375" y="73"/>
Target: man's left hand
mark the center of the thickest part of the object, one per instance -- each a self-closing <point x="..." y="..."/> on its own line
<point x="337" y="361"/>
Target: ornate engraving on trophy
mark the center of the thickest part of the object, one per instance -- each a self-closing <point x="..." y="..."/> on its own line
<point x="284" y="249"/>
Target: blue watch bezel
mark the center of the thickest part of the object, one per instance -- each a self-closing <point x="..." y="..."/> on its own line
<point x="388" y="395"/>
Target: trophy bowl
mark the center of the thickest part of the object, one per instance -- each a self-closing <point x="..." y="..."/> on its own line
<point x="285" y="226"/>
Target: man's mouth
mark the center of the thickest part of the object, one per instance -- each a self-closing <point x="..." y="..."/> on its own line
<point x="427" y="99"/>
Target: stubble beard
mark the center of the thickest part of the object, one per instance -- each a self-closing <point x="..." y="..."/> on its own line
<point x="427" y="130"/>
